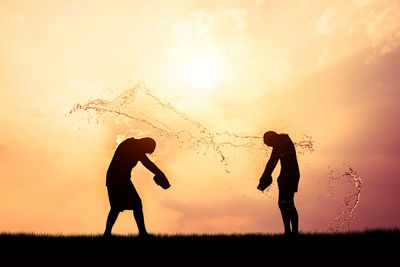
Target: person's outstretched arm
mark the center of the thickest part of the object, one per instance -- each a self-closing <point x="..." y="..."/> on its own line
<point x="150" y="165"/>
<point x="159" y="176"/>
<point x="266" y="178"/>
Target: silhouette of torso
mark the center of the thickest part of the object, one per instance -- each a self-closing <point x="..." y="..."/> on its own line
<point x="286" y="152"/>
<point x="125" y="158"/>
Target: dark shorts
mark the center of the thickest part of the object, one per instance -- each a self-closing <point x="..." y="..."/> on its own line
<point x="288" y="183"/>
<point x="123" y="196"/>
<point x="286" y="197"/>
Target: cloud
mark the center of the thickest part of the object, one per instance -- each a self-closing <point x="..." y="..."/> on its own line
<point x="238" y="16"/>
<point x="233" y="214"/>
<point x="282" y="72"/>
<point x="324" y="57"/>
<point x="384" y="29"/>
<point x="357" y="26"/>
<point x="206" y="27"/>
<point x="329" y="21"/>
<point x="19" y="18"/>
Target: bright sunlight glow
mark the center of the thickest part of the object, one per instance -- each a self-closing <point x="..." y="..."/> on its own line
<point x="201" y="75"/>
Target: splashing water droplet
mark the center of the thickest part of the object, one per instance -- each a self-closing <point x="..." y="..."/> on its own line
<point x="151" y="114"/>
<point x="351" y="199"/>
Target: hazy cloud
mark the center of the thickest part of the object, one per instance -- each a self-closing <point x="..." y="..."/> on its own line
<point x="358" y="26"/>
<point x="330" y="21"/>
<point x="20" y="18"/>
<point x="282" y="72"/>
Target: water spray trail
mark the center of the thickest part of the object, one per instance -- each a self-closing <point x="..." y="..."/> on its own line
<point x="351" y="200"/>
<point x="162" y="116"/>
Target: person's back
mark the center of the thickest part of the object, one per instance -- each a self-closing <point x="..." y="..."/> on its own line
<point x="286" y="151"/>
<point x="125" y="158"/>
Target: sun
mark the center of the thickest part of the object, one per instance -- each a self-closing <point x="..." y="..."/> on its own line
<point x="195" y="73"/>
<point x="200" y="74"/>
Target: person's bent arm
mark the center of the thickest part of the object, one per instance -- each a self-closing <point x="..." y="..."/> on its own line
<point x="266" y="178"/>
<point x="150" y="165"/>
<point x="271" y="164"/>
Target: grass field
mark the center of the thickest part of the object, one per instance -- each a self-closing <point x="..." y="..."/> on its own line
<point x="374" y="246"/>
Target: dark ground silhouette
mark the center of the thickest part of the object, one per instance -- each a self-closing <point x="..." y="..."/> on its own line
<point x="344" y="249"/>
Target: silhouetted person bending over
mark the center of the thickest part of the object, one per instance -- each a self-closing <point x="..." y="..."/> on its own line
<point x="288" y="180"/>
<point x="121" y="192"/>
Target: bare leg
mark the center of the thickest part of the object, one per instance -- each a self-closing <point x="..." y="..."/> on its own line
<point x="285" y="218"/>
<point x="139" y="218"/>
<point x="294" y="218"/>
<point x="112" y="217"/>
<point x="288" y="210"/>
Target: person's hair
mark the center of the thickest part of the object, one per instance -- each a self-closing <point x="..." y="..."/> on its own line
<point x="147" y="144"/>
<point x="270" y="137"/>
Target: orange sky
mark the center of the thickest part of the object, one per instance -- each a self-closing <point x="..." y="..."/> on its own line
<point x="326" y="69"/>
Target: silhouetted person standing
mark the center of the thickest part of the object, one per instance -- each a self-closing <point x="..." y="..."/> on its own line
<point x="121" y="192"/>
<point x="288" y="180"/>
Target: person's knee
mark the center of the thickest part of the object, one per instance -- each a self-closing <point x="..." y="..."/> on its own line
<point x="282" y="204"/>
<point x="285" y="204"/>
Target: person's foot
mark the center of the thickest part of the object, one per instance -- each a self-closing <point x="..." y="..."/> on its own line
<point x="145" y="235"/>
<point x="107" y="234"/>
<point x="287" y="235"/>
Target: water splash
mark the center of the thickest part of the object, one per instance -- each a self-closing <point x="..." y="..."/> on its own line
<point x="141" y="106"/>
<point x="351" y="199"/>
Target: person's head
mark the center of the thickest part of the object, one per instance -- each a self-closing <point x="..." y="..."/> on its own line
<point x="270" y="138"/>
<point x="148" y="145"/>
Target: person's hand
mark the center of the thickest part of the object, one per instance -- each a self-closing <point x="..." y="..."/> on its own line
<point x="264" y="183"/>
<point x="161" y="180"/>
